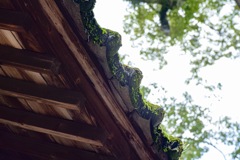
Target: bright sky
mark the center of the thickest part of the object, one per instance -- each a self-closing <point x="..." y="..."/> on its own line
<point x="110" y="14"/>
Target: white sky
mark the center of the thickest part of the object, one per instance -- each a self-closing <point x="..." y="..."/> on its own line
<point x="110" y="14"/>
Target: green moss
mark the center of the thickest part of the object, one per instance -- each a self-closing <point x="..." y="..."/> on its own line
<point x="171" y="145"/>
<point x="128" y="76"/>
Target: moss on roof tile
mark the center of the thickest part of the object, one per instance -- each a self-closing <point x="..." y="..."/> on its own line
<point x="131" y="77"/>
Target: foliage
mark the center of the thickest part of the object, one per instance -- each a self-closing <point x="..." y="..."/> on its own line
<point x="194" y="125"/>
<point x="205" y="29"/>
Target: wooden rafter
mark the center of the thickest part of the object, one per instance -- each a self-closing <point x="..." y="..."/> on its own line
<point x="28" y="60"/>
<point x="45" y="150"/>
<point x="44" y="94"/>
<point x="55" y="34"/>
<point x="9" y="155"/>
<point x="6" y="4"/>
<point x="14" y="21"/>
<point x="53" y="126"/>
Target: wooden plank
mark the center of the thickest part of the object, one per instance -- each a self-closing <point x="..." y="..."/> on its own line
<point x="29" y="60"/>
<point x="8" y="38"/>
<point x="54" y="126"/>
<point x="119" y="141"/>
<point x="6" y="4"/>
<point x="14" y="20"/>
<point x="46" y="150"/>
<point x="8" y="155"/>
<point x="72" y="39"/>
<point x="41" y="93"/>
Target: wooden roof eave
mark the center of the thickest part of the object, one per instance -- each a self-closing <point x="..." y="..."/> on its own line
<point x="85" y="75"/>
<point x="50" y="33"/>
<point x="115" y="96"/>
<point x="45" y="150"/>
<point x="124" y="82"/>
<point x="74" y="43"/>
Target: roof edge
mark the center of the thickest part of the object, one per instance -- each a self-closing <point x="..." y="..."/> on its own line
<point x="129" y="80"/>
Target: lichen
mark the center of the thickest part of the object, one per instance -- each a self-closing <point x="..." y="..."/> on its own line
<point x="130" y="77"/>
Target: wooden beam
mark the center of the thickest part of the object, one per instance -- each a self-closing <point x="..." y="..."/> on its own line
<point x="46" y="150"/>
<point x="6" y="4"/>
<point x="10" y="155"/>
<point x="120" y="141"/>
<point x="41" y="93"/>
<point x="54" y="126"/>
<point x="28" y="60"/>
<point x="14" y="21"/>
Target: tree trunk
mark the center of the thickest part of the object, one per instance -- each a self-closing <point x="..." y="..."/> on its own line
<point x="238" y="3"/>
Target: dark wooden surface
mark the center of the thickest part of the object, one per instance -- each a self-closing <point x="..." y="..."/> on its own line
<point x="52" y="126"/>
<point x="71" y="94"/>
<point x="41" y="93"/>
<point x="45" y="150"/>
<point x="14" y="20"/>
<point x="33" y="61"/>
<point x="116" y="142"/>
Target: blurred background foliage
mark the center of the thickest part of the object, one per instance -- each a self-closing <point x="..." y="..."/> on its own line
<point x="206" y="30"/>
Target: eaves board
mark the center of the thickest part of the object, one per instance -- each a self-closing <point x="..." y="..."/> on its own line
<point x="74" y="75"/>
<point x="60" y="32"/>
<point x="125" y="80"/>
<point x="26" y="76"/>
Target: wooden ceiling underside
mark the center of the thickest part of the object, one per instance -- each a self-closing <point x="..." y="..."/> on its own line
<point x="54" y="99"/>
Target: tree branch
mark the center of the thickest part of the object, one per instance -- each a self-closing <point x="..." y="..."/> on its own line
<point x="210" y="144"/>
<point x="154" y="9"/>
